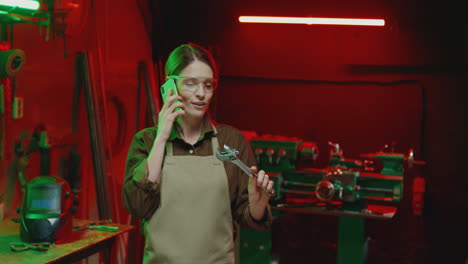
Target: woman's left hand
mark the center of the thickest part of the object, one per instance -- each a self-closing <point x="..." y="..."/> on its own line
<point x="258" y="196"/>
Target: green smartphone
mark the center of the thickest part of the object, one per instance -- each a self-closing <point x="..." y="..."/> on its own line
<point x="170" y="84"/>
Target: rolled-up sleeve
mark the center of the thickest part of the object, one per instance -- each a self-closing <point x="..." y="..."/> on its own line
<point x="140" y="196"/>
<point x="241" y="211"/>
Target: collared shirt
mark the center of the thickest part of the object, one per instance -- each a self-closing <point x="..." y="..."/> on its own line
<point x="141" y="197"/>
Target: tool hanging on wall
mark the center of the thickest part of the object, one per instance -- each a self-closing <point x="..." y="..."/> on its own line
<point x="118" y="144"/>
<point x="147" y="82"/>
<point x="98" y="146"/>
<point x="5" y="107"/>
<point x="11" y="107"/>
<point x="11" y="61"/>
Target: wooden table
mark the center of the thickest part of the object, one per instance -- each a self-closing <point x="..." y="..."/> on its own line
<point x="84" y="243"/>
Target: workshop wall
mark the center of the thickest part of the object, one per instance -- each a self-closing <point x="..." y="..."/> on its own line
<point x="114" y="34"/>
<point x="360" y="86"/>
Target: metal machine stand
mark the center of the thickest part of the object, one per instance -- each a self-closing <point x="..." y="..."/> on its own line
<point x="351" y="243"/>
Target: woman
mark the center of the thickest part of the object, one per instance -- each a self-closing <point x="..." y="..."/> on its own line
<point x="187" y="198"/>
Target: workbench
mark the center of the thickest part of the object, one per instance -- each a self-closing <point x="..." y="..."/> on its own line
<point x="82" y="244"/>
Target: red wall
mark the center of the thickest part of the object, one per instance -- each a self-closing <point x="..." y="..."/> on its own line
<point x="293" y="80"/>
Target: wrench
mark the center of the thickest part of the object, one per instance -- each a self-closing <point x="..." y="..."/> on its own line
<point x="231" y="155"/>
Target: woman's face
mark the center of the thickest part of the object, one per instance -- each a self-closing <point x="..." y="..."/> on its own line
<point x="196" y="85"/>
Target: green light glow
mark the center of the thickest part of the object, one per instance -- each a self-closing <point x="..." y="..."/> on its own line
<point x="24" y="4"/>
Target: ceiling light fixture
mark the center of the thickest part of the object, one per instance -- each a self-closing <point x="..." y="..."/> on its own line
<point x="313" y="20"/>
<point x="21" y="4"/>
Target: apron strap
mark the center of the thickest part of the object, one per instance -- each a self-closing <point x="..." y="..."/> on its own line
<point x="214" y="141"/>
<point x="169" y="148"/>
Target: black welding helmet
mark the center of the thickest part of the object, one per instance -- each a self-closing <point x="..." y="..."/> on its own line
<point x="46" y="210"/>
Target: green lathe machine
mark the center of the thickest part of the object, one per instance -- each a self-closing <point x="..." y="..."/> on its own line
<point x="352" y="190"/>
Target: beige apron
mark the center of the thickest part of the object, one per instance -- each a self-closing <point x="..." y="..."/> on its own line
<point x="193" y="223"/>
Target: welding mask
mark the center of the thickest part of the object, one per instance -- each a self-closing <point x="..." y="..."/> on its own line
<point x="46" y="210"/>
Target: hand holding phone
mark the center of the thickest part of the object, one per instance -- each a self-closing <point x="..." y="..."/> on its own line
<point x="166" y="87"/>
<point x="170" y="111"/>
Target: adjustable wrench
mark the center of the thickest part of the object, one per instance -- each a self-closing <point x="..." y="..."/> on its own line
<point x="231" y="155"/>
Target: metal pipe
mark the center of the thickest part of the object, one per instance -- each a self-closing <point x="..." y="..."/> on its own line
<point x="376" y="198"/>
<point x="373" y="189"/>
<point x="298" y="184"/>
<point x="297" y="192"/>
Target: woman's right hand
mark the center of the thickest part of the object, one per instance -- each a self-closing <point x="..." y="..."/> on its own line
<point x="167" y="116"/>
